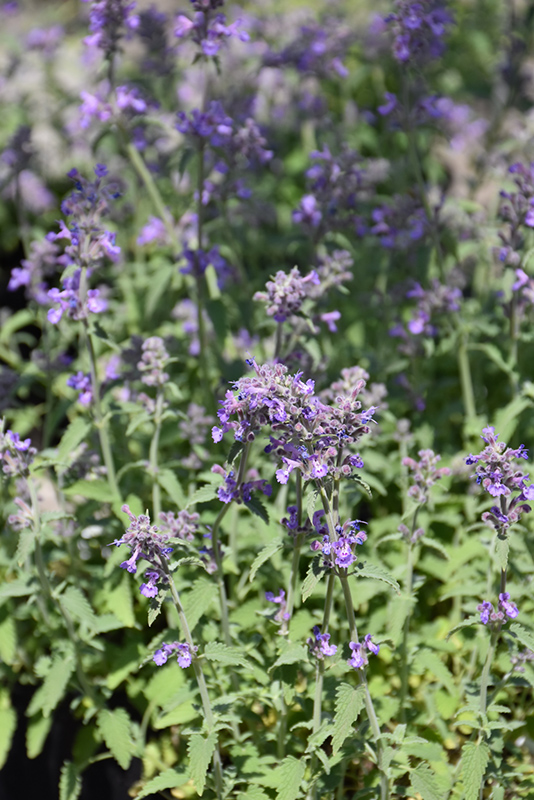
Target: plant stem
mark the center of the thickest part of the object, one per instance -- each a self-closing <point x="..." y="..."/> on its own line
<point x="319" y="677"/>
<point x="405" y="667"/>
<point x="199" y="675"/>
<point x="464" y="367"/>
<point x="297" y="545"/>
<point x="371" y="713"/>
<point x="153" y="456"/>
<point x="152" y="189"/>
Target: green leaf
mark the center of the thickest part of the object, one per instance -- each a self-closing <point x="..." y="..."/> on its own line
<point x="349" y="703"/>
<point x="264" y="555"/>
<point x="198" y="599"/>
<point x="256" y="507"/>
<point x="313" y="576"/>
<point x="356" y="479"/>
<point x="17" y="588"/>
<point x="8" y="639"/>
<point x="73" y="436"/>
<point x="25" y="546"/>
<point x="291" y="654"/>
<point x="475" y="759"/>
<point x="430" y="661"/>
<point x="168" y="481"/>
<point x="70" y="784"/>
<point x="474" y="619"/>
<point x="47" y="696"/>
<point x="290" y="774"/>
<point x="115" y="729"/>
<point x="368" y="570"/>
<point x="235" y="449"/>
<point x="525" y="636"/>
<point x="13" y="323"/>
<point x="170" y="779"/>
<point x="77" y="605"/>
<point x="217" y="651"/>
<point x="8" y="725"/>
<point x="118" y="600"/>
<point x="423" y="781"/>
<point x="92" y="490"/>
<point x="253" y="793"/>
<point x="200" y="751"/>
<point x="426" y="541"/>
<point x="203" y="495"/>
<point x="36" y="733"/>
<point x="155" y="607"/>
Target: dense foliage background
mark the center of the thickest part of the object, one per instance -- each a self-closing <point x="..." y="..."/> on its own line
<point x="266" y="279"/>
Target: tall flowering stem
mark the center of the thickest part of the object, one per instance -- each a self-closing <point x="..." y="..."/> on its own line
<point x="153" y="456"/>
<point x="498" y="474"/>
<point x="342" y="573"/>
<point x="297" y="546"/>
<point x="199" y="674"/>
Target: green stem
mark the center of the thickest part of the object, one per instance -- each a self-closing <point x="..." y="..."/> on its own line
<point x="371" y="713"/>
<point x="199" y="675"/>
<point x="484" y="678"/>
<point x="297" y="545"/>
<point x="223" y="600"/>
<point x="405" y="667"/>
<point x="153" y="191"/>
<point x="100" y="421"/>
<point x="464" y="367"/>
<point x="153" y="456"/>
<point x="319" y="678"/>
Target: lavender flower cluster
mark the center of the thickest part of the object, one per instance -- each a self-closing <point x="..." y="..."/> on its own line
<point x="497" y="473"/>
<point x="147" y="543"/>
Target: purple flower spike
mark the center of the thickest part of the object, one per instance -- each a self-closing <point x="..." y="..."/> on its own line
<point x="319" y="644"/>
<point x="485" y="608"/>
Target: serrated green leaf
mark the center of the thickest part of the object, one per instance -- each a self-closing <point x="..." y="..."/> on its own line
<point x="253" y="793"/>
<point x="73" y="436"/>
<point x="217" y="651"/>
<point x="264" y="555"/>
<point x="198" y="599"/>
<point x="155" y="607"/>
<point x="92" y="490"/>
<point x="313" y="576"/>
<point x="25" y="546"/>
<point x="168" y="480"/>
<point x="356" y="479"/>
<point x="17" y="588"/>
<point x="8" y="639"/>
<point x="525" y="636"/>
<point x="8" y="725"/>
<point x="118" y="600"/>
<point x="475" y="759"/>
<point x="170" y="779"/>
<point x="291" y="654"/>
<point x="255" y="506"/>
<point x="235" y="449"/>
<point x="70" y="784"/>
<point x="77" y="605"/>
<point x="427" y="541"/>
<point x="200" y="750"/>
<point x="203" y="495"/>
<point x="36" y="733"/>
<point x="368" y="570"/>
<point x="54" y="686"/>
<point x="474" y="619"/>
<point x="290" y="774"/>
<point x="349" y="703"/>
<point x="423" y="781"/>
<point x="429" y="660"/>
<point x="115" y="728"/>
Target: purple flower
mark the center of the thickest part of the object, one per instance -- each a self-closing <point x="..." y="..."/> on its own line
<point x="16" y="454"/>
<point x="319" y="644"/>
<point x="308" y="212"/>
<point x="145" y="542"/>
<point x="153" y="361"/>
<point x="183" y="652"/>
<point x="279" y="599"/>
<point x="510" y="609"/>
<point x="82" y="383"/>
<point x="109" y="21"/>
